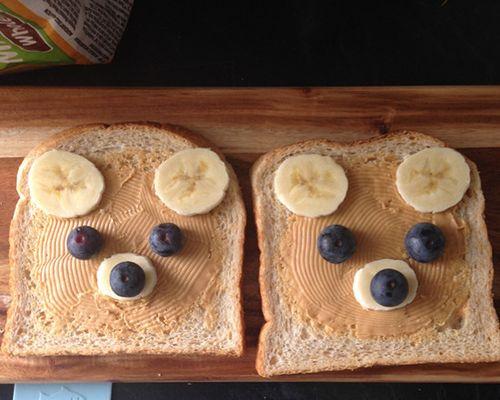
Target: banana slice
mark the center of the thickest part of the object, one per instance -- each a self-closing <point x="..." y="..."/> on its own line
<point x="192" y="181"/>
<point x="65" y="184"/>
<point x="434" y="179"/>
<point x="310" y="185"/>
<point x="364" y="276"/>
<point x="108" y="264"/>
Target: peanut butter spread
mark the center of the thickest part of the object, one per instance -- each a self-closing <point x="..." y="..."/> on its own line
<point x="380" y="219"/>
<point x="129" y="209"/>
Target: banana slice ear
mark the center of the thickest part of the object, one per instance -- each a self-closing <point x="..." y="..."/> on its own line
<point x="433" y="179"/>
<point x="192" y="181"/>
<point x="65" y="184"/>
<point x="310" y="185"/>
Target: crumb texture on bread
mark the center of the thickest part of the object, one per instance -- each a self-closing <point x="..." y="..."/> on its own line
<point x="212" y="324"/>
<point x="292" y="343"/>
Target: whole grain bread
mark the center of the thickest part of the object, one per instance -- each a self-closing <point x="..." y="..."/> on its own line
<point x="291" y="343"/>
<point x="212" y="325"/>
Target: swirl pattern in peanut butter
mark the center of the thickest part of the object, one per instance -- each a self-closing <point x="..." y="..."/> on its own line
<point x="379" y="218"/>
<point x="128" y="211"/>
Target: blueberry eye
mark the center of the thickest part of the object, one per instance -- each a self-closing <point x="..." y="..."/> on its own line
<point x="336" y="244"/>
<point x="84" y="242"/>
<point x="425" y="242"/>
<point x="166" y="239"/>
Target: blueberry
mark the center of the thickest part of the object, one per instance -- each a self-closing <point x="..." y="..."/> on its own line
<point x="83" y="242"/>
<point x="166" y="239"/>
<point x="336" y="244"/>
<point x="389" y="287"/>
<point x="127" y="279"/>
<point x="424" y="242"/>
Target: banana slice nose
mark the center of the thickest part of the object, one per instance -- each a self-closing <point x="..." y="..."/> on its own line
<point x="104" y="271"/>
<point x="364" y="276"/>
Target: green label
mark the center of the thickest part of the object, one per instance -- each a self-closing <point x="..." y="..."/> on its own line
<point x="22" y="42"/>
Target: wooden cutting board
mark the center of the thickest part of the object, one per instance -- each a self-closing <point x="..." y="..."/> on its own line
<point x="245" y="123"/>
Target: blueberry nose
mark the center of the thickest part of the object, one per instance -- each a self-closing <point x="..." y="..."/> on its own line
<point x="126" y="276"/>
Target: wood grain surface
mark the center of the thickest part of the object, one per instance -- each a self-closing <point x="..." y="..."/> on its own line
<point x="234" y="118"/>
<point x="245" y="123"/>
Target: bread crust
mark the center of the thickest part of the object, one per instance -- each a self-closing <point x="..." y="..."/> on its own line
<point x="52" y="142"/>
<point x="266" y="162"/>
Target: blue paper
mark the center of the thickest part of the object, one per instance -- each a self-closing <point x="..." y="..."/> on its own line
<point x="63" y="391"/>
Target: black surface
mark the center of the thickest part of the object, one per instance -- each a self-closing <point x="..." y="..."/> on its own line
<point x="298" y="43"/>
<point x="304" y="391"/>
<point x="295" y="391"/>
<point x="182" y="43"/>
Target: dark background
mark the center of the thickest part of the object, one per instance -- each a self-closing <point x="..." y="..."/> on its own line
<point x="297" y="43"/>
<point x="294" y="391"/>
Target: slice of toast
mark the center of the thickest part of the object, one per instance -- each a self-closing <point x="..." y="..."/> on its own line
<point x="203" y="314"/>
<point x="294" y="340"/>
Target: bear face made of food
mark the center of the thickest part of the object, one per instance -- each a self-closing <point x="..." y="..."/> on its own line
<point x="375" y="247"/>
<point x="126" y="240"/>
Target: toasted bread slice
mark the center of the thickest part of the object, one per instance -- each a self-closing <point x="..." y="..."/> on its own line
<point x="293" y="341"/>
<point x="204" y="312"/>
